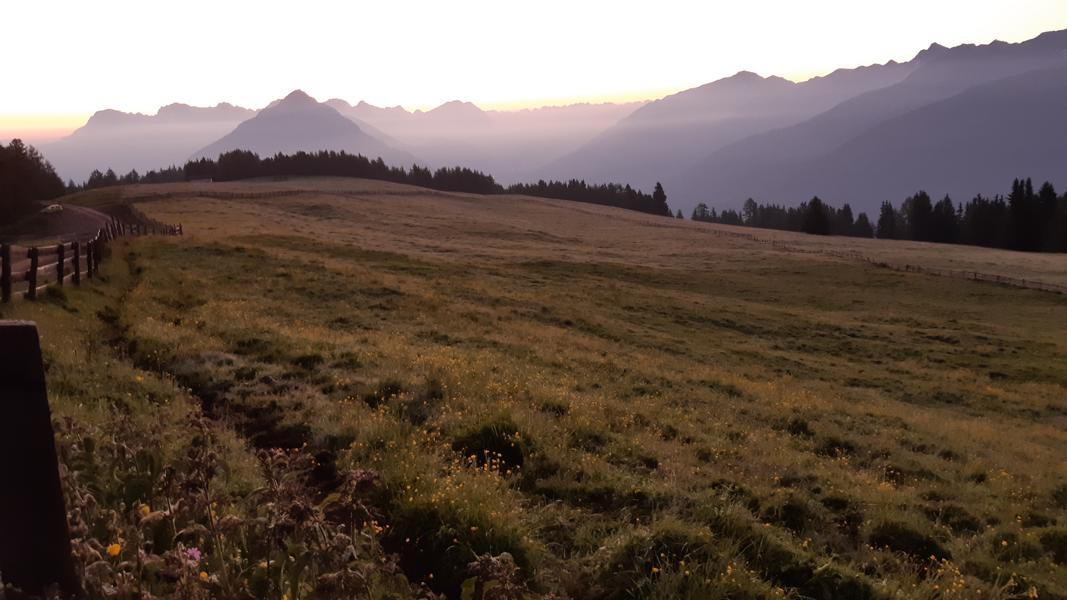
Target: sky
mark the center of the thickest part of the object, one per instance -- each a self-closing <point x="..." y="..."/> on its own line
<point x="76" y="57"/>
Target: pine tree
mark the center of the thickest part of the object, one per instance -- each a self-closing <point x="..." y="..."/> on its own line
<point x="862" y="228"/>
<point x="659" y="200"/>
<point x="816" y="219"/>
<point x="887" y="223"/>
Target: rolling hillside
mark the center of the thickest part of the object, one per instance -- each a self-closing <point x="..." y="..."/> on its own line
<point x="561" y="398"/>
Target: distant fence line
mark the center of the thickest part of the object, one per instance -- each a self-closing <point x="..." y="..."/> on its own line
<point x="1030" y="284"/>
<point x="25" y="272"/>
<point x="267" y="195"/>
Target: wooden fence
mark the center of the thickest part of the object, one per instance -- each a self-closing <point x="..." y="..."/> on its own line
<point x="25" y="272"/>
<point x="1030" y="284"/>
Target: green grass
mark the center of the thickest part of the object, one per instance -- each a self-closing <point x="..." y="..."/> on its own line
<point x="619" y="413"/>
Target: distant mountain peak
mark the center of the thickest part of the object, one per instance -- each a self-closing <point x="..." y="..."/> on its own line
<point x="744" y="75"/>
<point x="110" y="117"/>
<point x="457" y="107"/>
<point x="298" y="97"/>
<point x="364" y="106"/>
<point x="934" y="52"/>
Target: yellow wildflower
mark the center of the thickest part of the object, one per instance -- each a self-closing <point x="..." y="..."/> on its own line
<point x="204" y="576"/>
<point x="114" y="549"/>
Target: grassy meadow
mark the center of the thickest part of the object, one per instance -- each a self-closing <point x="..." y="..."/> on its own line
<point x="346" y="388"/>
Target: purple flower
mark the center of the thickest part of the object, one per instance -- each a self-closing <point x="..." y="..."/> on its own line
<point x="193" y="555"/>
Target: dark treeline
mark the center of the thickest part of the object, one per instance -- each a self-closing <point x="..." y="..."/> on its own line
<point x="242" y="164"/>
<point x="98" y="180"/>
<point x="26" y="179"/>
<point x="814" y="216"/>
<point x="611" y="194"/>
<point x="1028" y="220"/>
<point x="1025" y="220"/>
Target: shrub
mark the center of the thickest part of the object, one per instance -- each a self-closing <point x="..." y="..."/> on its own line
<point x="1059" y="496"/>
<point x="386" y="390"/>
<point x="955" y="517"/>
<point x="848" y="518"/>
<point x="555" y="407"/>
<point x="793" y="513"/>
<point x="1009" y="547"/>
<point x="643" y="555"/>
<point x="423" y="404"/>
<point x="834" y="447"/>
<point x="799" y="427"/>
<point x="437" y="545"/>
<point x="496" y="441"/>
<point x="1054" y="541"/>
<point x="1036" y="519"/>
<point x="587" y="438"/>
<point x="902" y="538"/>
<point x="735" y="492"/>
<point x="785" y="566"/>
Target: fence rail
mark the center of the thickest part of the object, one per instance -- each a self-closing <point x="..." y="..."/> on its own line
<point x="1030" y="284"/>
<point x="26" y="272"/>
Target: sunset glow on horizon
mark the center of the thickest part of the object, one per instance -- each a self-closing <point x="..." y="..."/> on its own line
<point x="136" y="57"/>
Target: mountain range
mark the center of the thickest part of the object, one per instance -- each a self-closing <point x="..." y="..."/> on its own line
<point x="299" y="122"/>
<point x="958" y="121"/>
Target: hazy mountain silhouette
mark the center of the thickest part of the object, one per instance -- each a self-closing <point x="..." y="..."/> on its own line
<point x="124" y="141"/>
<point x="791" y="164"/>
<point x="299" y="122"/>
<point x="664" y="136"/>
<point x="968" y="144"/>
<point x="508" y="143"/>
<point x="859" y="135"/>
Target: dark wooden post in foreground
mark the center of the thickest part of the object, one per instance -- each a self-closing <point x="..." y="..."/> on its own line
<point x="31" y="277"/>
<point x="89" y="259"/>
<point x="61" y="269"/>
<point x="77" y="263"/>
<point x="5" y="273"/>
<point x="35" y="549"/>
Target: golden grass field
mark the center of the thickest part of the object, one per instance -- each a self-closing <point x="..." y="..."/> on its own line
<point x="627" y="405"/>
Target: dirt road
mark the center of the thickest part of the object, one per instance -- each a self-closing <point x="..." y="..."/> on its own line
<point x="70" y="224"/>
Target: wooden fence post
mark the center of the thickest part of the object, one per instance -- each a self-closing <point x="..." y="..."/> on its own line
<point x="31" y="292"/>
<point x="60" y="267"/>
<point x="89" y="259"/>
<point x="35" y="552"/>
<point x="77" y="263"/>
<point x="5" y="273"/>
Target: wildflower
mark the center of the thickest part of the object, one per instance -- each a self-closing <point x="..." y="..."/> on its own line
<point x="145" y="510"/>
<point x="139" y="379"/>
<point x="193" y="554"/>
<point x="655" y="570"/>
<point x="114" y="549"/>
<point x="204" y="576"/>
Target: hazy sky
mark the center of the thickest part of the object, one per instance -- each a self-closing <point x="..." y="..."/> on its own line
<point x="75" y="57"/>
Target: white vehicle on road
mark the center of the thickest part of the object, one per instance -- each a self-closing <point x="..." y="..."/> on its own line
<point x="52" y="208"/>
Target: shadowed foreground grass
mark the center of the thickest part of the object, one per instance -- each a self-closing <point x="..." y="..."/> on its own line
<point x="540" y="398"/>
